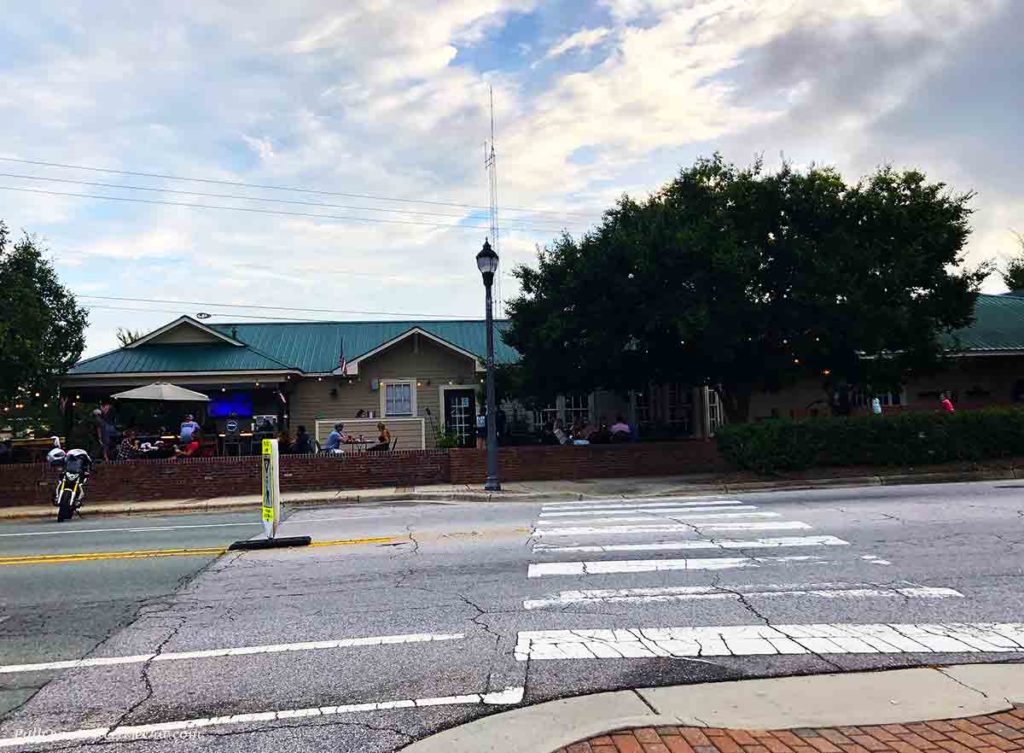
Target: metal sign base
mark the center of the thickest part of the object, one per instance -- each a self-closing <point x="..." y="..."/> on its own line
<point x="270" y="543"/>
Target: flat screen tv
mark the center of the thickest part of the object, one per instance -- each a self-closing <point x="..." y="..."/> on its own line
<point x="230" y="403"/>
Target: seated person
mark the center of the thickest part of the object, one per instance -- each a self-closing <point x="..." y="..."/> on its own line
<point x="335" y="438"/>
<point x="129" y="447"/>
<point x="559" y="432"/>
<point x="191" y="448"/>
<point x="303" y="444"/>
<point x="383" y="439"/>
<point x="621" y="431"/>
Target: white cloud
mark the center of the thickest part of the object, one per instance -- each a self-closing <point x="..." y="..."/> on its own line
<point x="583" y="39"/>
<point x="390" y="99"/>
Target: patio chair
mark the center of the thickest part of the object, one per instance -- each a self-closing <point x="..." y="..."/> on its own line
<point x="394" y="443"/>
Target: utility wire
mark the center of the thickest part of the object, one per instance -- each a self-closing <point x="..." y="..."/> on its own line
<point x="252" y="198"/>
<point x="269" y="308"/>
<point x="180" y="312"/>
<point x="271" y="187"/>
<point x="251" y="210"/>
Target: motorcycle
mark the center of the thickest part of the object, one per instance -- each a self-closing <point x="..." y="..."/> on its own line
<point x="75" y="466"/>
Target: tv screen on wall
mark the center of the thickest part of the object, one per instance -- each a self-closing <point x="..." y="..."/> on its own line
<point x="230" y="404"/>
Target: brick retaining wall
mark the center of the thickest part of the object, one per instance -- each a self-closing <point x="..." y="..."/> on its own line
<point x="215" y="477"/>
<point x="592" y="461"/>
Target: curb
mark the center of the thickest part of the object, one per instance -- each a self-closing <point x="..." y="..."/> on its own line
<point x="835" y="700"/>
<point x="172" y="507"/>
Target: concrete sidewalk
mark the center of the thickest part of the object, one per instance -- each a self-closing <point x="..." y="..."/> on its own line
<point x="689" y="485"/>
<point x="732" y="717"/>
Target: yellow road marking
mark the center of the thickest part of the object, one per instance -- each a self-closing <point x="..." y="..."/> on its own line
<point x="216" y="551"/>
<point x="51" y="559"/>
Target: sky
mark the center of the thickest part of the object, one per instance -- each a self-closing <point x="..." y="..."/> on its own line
<point x="372" y="115"/>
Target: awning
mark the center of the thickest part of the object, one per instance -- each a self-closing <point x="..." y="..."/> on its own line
<point x="163" y="391"/>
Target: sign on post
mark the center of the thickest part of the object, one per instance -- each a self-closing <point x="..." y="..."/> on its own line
<point x="271" y="487"/>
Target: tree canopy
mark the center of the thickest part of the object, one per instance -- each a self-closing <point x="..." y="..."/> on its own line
<point x="742" y="279"/>
<point x="1013" y="273"/>
<point x="42" y="327"/>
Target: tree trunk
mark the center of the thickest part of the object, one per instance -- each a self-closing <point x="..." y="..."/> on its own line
<point x="735" y="403"/>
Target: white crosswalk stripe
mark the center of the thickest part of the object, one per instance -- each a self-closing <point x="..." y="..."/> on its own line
<point x="649" y="510"/>
<point x="665" y="546"/>
<point x="701" y="593"/>
<point x="604" y="567"/>
<point x="757" y="640"/>
<point x="711" y="526"/>
<point x="634" y="518"/>
<point x="627" y="538"/>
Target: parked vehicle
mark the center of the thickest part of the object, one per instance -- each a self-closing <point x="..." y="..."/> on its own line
<point x="75" y="467"/>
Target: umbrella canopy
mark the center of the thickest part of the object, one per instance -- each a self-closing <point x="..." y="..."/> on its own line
<point x="163" y="391"/>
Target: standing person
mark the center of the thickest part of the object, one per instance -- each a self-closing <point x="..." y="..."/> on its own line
<point x="876" y="406"/>
<point x="188" y="426"/>
<point x="105" y="429"/>
<point x="946" y="403"/>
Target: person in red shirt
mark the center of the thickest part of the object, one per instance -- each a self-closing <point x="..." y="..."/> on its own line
<point x="946" y="403"/>
<point x="189" y="448"/>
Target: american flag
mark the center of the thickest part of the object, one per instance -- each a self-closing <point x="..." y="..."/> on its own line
<point x="342" y="363"/>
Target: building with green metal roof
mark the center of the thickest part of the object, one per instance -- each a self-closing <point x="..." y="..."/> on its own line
<point x="422" y="377"/>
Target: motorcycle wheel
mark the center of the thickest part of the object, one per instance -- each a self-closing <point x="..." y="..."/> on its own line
<point x="66" y="507"/>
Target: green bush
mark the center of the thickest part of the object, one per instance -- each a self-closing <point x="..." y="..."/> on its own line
<point x="897" y="439"/>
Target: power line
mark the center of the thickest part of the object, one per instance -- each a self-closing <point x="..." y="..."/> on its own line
<point x="271" y="187"/>
<point x="250" y="198"/>
<point x="252" y="210"/>
<point x="179" y="312"/>
<point x="268" y="308"/>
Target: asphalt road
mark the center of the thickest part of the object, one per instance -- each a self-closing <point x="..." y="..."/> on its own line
<point x="458" y="606"/>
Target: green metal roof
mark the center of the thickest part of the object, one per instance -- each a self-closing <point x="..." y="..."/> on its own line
<point x="998" y="325"/>
<point x="310" y="347"/>
<point x="314" y="347"/>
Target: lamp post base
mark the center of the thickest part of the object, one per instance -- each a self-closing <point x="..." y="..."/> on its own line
<point x="492" y="485"/>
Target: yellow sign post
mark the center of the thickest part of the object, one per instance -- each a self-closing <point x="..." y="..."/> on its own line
<point x="271" y="487"/>
<point x="270" y="477"/>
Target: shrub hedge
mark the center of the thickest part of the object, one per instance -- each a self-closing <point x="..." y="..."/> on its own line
<point x="897" y="439"/>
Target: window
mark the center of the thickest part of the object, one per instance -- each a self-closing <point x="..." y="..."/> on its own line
<point x="542" y="416"/>
<point x="862" y="397"/>
<point x="577" y="407"/>
<point x="399" y="399"/>
<point x="642" y="403"/>
<point x="678" y="404"/>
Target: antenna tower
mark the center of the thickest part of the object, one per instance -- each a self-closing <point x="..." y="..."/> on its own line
<point x="491" y="165"/>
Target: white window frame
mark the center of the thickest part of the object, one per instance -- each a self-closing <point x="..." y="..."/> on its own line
<point x="384" y="398"/>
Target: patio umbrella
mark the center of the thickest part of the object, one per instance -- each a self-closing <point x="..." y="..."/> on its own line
<point x="162" y="391"/>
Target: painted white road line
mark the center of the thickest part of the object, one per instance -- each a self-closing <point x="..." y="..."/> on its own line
<point x="276" y="648"/>
<point x="507" y="697"/>
<point x="755" y="525"/>
<point x="137" y="529"/>
<point x="605" y="567"/>
<point x="779" y="542"/>
<point x="702" y="593"/>
<point x="648" y="511"/>
<point x="696" y="499"/>
<point x="636" y="505"/>
<point x="754" y="640"/>
<point x="651" y="516"/>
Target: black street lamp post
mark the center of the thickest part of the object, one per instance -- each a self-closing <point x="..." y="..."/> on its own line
<point x="487" y="263"/>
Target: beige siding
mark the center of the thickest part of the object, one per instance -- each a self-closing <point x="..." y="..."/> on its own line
<point x="410" y="432"/>
<point x="185" y="333"/>
<point x="417" y="358"/>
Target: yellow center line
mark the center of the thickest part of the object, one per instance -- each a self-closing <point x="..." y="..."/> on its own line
<point x="50" y="559"/>
<point x="216" y="551"/>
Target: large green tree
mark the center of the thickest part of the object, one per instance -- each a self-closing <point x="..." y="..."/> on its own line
<point x="42" y="327"/>
<point x="743" y="280"/>
<point x="1013" y="272"/>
